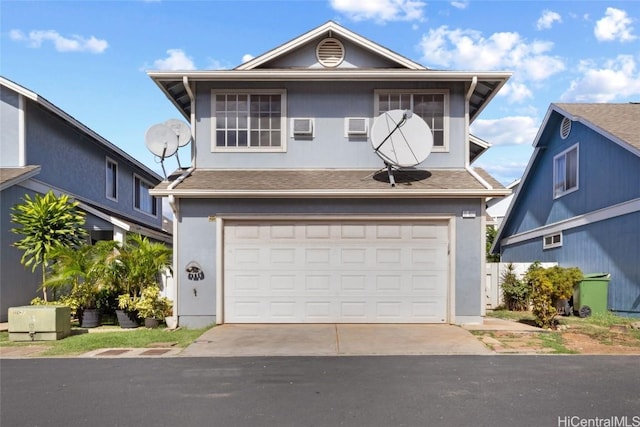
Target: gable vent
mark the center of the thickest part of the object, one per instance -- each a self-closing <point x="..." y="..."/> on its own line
<point x="330" y="52"/>
<point x="565" y="128"/>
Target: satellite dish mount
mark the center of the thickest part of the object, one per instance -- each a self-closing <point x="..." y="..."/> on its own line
<point x="163" y="139"/>
<point x="401" y="139"/>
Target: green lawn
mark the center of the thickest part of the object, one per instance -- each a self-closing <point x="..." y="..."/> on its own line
<point x="110" y="337"/>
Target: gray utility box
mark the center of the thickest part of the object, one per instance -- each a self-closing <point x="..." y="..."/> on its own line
<point x="39" y="323"/>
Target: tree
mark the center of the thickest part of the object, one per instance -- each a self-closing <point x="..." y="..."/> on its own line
<point x="491" y="233"/>
<point x="46" y="222"/>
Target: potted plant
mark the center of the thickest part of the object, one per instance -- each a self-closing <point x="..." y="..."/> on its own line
<point x="152" y="306"/>
<point x="138" y="266"/>
<point x="81" y="272"/>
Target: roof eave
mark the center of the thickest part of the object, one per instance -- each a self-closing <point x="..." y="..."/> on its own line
<point x="347" y="193"/>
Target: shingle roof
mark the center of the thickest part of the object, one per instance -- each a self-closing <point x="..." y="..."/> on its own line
<point x="620" y="120"/>
<point x="327" y="182"/>
<point x="11" y="176"/>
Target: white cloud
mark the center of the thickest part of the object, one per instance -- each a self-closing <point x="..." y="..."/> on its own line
<point x="247" y="57"/>
<point x="547" y="19"/>
<point x="176" y="60"/>
<point x="76" y="43"/>
<point x="460" y="4"/>
<point x="381" y="10"/>
<point x="615" y="25"/>
<point x="469" y="50"/>
<point x="516" y="92"/>
<point x="616" y="79"/>
<point x="514" y="130"/>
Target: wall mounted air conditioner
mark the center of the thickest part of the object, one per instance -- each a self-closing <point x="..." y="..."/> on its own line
<point x="356" y="126"/>
<point x="302" y="127"/>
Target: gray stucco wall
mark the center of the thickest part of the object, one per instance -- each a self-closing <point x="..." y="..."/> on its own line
<point x="328" y="103"/>
<point x="76" y="163"/>
<point x="197" y="242"/>
<point x="18" y="285"/>
<point x="9" y="123"/>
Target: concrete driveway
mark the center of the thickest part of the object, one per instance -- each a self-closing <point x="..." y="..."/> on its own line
<point x="334" y="340"/>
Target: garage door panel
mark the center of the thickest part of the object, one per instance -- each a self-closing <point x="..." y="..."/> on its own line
<point x="336" y="272"/>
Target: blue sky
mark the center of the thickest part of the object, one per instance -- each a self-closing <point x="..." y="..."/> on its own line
<point x="90" y="57"/>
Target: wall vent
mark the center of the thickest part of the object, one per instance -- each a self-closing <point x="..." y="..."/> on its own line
<point x="356" y="126"/>
<point x="565" y="128"/>
<point x="330" y="52"/>
<point x="301" y="127"/>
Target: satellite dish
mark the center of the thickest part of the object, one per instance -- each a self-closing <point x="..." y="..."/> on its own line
<point x="181" y="129"/>
<point x="401" y="138"/>
<point x="161" y="140"/>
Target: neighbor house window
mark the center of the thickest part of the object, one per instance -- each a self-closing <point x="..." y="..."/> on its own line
<point x="112" y="180"/>
<point x="143" y="201"/>
<point x="249" y="121"/>
<point x="552" y="241"/>
<point x="565" y="172"/>
<point x="431" y="106"/>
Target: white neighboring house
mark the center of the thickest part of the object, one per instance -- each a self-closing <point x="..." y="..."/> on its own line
<point x="497" y="206"/>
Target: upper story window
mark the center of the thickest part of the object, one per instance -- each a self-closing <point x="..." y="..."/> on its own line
<point x="112" y="180"/>
<point x="249" y="121"/>
<point x="565" y="172"/>
<point x="432" y="106"/>
<point x="143" y="201"/>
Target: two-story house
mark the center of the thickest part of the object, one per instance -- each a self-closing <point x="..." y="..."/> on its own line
<point x="44" y="148"/>
<point x="579" y="201"/>
<point x="287" y="214"/>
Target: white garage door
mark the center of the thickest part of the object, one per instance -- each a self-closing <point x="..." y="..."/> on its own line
<point x="335" y="272"/>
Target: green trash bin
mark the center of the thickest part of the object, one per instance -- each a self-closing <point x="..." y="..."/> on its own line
<point x="590" y="295"/>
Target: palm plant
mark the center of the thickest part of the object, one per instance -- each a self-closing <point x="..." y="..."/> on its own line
<point x="46" y="222"/>
<point x="84" y="272"/>
<point x="140" y="262"/>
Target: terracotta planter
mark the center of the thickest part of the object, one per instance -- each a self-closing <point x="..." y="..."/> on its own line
<point x="127" y="319"/>
<point x="90" y="318"/>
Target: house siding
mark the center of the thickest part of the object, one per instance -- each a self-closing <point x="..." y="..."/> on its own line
<point x="616" y="179"/>
<point x="18" y="285"/>
<point x="601" y="247"/>
<point x="329" y="103"/>
<point x="74" y="162"/>
<point x="10" y="125"/>
<point x="197" y="235"/>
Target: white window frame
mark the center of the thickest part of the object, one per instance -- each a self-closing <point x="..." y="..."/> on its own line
<point x="283" y="120"/>
<point x="561" y="169"/>
<point x="138" y="205"/>
<point x="446" y="114"/>
<point x="554" y="240"/>
<point x="111" y="185"/>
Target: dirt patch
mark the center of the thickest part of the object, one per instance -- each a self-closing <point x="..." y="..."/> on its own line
<point x="569" y="341"/>
<point x="613" y="343"/>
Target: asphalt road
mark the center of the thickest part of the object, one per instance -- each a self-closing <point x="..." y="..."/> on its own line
<point x="321" y="391"/>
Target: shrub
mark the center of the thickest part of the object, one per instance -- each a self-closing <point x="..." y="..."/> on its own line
<point x="547" y="287"/>
<point x="515" y="292"/>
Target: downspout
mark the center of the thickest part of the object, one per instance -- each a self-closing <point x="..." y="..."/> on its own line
<point x="467" y="166"/>
<point x="467" y="98"/>
<point x="171" y="198"/>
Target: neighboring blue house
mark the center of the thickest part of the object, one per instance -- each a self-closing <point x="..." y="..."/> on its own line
<point x="288" y="215"/>
<point x="43" y="148"/>
<point x="579" y="201"/>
